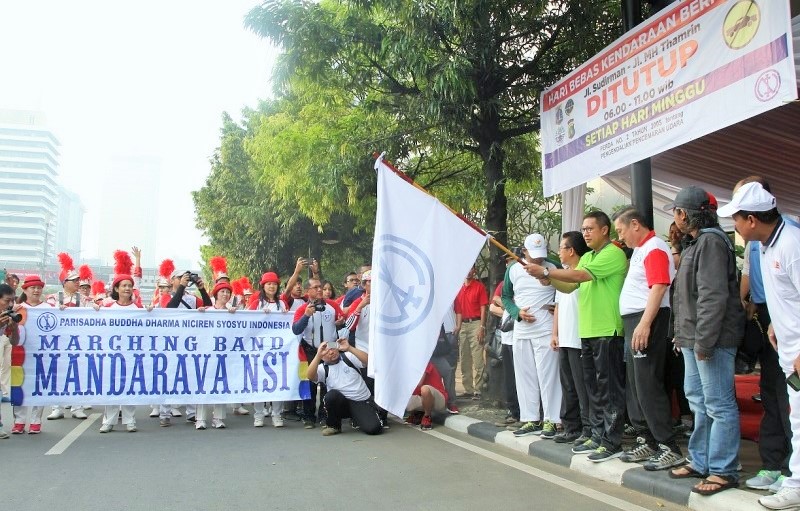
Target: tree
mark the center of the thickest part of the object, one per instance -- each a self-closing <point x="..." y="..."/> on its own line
<point x="457" y="80"/>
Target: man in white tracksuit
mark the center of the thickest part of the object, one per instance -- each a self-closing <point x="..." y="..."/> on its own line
<point x="535" y="362"/>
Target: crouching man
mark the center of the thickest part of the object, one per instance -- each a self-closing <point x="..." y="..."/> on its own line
<point x="348" y="395"/>
<point x="429" y="396"/>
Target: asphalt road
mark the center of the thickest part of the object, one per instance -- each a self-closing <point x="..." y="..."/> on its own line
<point x="242" y="467"/>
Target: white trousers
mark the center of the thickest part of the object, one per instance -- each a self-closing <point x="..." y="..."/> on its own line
<point x="128" y="414"/>
<point x="538" y="384"/>
<point x="793" y="481"/>
<point x="59" y="408"/>
<point x="21" y="414"/>
<point x="5" y="365"/>
<point x="220" y="411"/>
<point x="277" y="409"/>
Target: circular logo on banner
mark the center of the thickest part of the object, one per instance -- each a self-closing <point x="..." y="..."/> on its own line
<point x="741" y="24"/>
<point x="768" y="85"/>
<point x="407" y="273"/>
<point x="47" y="322"/>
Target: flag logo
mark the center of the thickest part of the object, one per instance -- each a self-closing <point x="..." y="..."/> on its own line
<point x="409" y="292"/>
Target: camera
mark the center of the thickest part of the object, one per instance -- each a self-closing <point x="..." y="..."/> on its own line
<point x="319" y="306"/>
<point x="333" y="345"/>
<point x="193" y="277"/>
<point x="16" y="317"/>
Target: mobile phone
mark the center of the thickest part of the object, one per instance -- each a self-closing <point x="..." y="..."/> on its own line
<point x="794" y="381"/>
<point x="333" y="345"/>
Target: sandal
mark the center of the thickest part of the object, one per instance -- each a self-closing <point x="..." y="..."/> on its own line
<point x="686" y="472"/>
<point x="728" y="482"/>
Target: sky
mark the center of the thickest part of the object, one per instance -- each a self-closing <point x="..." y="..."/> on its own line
<point x="123" y="83"/>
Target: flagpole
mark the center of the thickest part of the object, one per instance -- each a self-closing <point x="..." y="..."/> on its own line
<point x="413" y="183"/>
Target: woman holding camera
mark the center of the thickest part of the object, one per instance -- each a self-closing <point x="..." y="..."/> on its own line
<point x="31" y="297"/>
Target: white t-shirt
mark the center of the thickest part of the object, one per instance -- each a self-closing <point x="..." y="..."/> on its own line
<point x="43" y="305"/>
<point x="529" y="292"/>
<point x="345" y="379"/>
<point x="362" y="332"/>
<point x="651" y="264"/>
<point x="780" y="270"/>
<point x="568" y="319"/>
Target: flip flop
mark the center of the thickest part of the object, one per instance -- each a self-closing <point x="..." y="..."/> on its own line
<point x="691" y="474"/>
<point x="730" y="482"/>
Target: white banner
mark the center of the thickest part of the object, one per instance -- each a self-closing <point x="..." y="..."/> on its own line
<point x="694" y="68"/>
<point x="80" y="356"/>
<point x="421" y="255"/>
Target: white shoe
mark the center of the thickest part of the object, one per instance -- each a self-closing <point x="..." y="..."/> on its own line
<point x="105" y="428"/>
<point x="4" y="434"/>
<point x="87" y="407"/>
<point x="786" y="498"/>
<point x="241" y="410"/>
<point x="175" y="412"/>
<point x="154" y="412"/>
<point x="55" y="415"/>
<point x="258" y="423"/>
<point x="217" y="424"/>
<point x="132" y="427"/>
<point x="200" y="425"/>
<point x="277" y="422"/>
<point x="78" y="414"/>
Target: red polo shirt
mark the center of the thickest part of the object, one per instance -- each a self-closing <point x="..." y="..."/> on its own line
<point x="471" y="297"/>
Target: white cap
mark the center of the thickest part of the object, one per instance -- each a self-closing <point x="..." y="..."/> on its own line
<point x="536" y="246"/>
<point x="750" y="197"/>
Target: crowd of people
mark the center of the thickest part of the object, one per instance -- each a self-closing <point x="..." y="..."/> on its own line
<point x="640" y="337"/>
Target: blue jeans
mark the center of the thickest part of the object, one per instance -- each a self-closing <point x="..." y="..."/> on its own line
<point x="714" y="444"/>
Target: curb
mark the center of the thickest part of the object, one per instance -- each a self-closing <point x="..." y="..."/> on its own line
<point x="628" y="475"/>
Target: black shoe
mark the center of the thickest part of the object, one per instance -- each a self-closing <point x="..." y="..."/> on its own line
<point x="757" y="398"/>
<point x="566" y="438"/>
<point x="742" y="366"/>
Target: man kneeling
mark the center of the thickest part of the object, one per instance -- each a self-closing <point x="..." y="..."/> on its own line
<point x="348" y="395"/>
<point x="429" y="396"/>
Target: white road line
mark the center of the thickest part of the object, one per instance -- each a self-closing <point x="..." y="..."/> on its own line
<point x="541" y="474"/>
<point x="73" y="435"/>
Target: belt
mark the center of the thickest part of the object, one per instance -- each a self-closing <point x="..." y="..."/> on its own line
<point x="470" y="320"/>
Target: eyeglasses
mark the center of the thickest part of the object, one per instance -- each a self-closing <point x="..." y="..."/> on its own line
<point x="356" y="281"/>
<point x="564" y="248"/>
<point x="587" y="229"/>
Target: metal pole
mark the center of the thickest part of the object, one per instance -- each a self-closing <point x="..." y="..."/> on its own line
<point x="641" y="172"/>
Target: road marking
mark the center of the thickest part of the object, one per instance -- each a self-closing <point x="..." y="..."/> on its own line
<point x="541" y="474"/>
<point x="73" y="435"/>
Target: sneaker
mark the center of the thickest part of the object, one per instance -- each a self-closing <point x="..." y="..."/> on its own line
<point x="55" y="415"/>
<point x="241" y="410"/>
<point x="165" y="422"/>
<point x="277" y="422"/>
<point x="106" y="428"/>
<point x="3" y="434"/>
<point x="548" y="430"/>
<point x="642" y="452"/>
<point x="602" y="454"/>
<point x="581" y="439"/>
<point x="35" y="429"/>
<point x="200" y="425"/>
<point x="385" y="424"/>
<point x="476" y="396"/>
<point x="353" y="424"/>
<point x="667" y="457"/>
<point x="786" y="498"/>
<point x="132" y="428"/>
<point x="453" y="410"/>
<point x="154" y="412"/>
<point x="426" y="423"/>
<point x="309" y="424"/>
<point x="762" y="481"/>
<point x="217" y="424"/>
<point x="5" y="399"/>
<point x="78" y="414"/>
<point x="18" y="429"/>
<point x="329" y="431"/>
<point x="777" y="485"/>
<point x="629" y="432"/>
<point x="175" y="412"/>
<point x="529" y="428"/>
<point x="291" y="416"/>
<point x="586" y="447"/>
<point x="258" y="422"/>
<point x="565" y="438"/>
<point x="191" y="418"/>
<point x="414" y="418"/>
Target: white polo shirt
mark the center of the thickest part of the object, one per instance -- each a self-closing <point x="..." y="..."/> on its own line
<point x="529" y="292"/>
<point x="568" y="336"/>
<point x="651" y="264"/>
<point x="345" y="379"/>
<point x="780" y="270"/>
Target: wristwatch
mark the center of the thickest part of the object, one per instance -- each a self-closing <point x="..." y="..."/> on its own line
<point x="546" y="272"/>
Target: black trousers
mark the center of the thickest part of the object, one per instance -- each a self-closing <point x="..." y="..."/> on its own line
<point x="448" y="374"/>
<point x="575" y="403"/>
<point x="509" y="381"/>
<point x="649" y="408"/>
<point x="310" y="405"/>
<point x="775" y="435"/>
<point x="362" y="412"/>
<point x="673" y="377"/>
<point x="604" y="378"/>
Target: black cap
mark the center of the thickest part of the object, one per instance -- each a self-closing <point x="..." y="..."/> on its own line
<point x="691" y="197"/>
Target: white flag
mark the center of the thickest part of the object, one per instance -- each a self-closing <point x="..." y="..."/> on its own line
<point x="420" y="257"/>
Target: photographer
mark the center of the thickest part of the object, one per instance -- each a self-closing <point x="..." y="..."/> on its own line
<point x="9" y="325"/>
<point x="189" y="301"/>
<point x="315" y="321"/>
<point x="348" y="395"/>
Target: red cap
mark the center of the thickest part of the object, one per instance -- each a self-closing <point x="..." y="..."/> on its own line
<point x="32" y="280"/>
<point x="270" y="276"/>
<point x="219" y="287"/>
<point x="120" y="278"/>
<point x="712" y="201"/>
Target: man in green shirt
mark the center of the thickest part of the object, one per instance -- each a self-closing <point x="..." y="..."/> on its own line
<point x="600" y="275"/>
